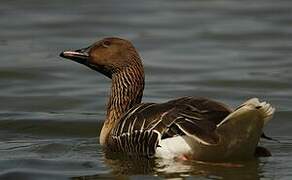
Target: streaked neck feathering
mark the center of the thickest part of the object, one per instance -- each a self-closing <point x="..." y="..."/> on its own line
<point x="126" y="91"/>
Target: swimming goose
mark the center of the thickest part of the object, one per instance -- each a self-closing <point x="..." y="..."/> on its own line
<point x="187" y="127"/>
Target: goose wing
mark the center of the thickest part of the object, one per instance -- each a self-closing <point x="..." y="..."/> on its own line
<point x="142" y="127"/>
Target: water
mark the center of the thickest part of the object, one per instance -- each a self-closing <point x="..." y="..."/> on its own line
<point x="51" y="109"/>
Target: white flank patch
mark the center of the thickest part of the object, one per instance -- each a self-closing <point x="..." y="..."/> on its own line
<point x="173" y="147"/>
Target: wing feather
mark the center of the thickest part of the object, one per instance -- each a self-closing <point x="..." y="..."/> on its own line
<point x="142" y="127"/>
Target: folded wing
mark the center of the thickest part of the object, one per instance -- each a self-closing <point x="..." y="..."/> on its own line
<point x="142" y="127"/>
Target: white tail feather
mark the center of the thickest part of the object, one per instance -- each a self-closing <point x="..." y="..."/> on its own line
<point x="253" y="101"/>
<point x="265" y="109"/>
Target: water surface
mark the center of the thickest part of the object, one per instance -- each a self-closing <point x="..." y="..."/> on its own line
<point x="51" y="110"/>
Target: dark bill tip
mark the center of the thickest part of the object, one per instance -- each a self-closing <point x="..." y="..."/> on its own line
<point x="62" y="55"/>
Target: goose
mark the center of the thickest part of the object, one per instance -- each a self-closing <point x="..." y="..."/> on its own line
<point x="186" y="128"/>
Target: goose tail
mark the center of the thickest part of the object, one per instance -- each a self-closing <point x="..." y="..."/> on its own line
<point x="249" y="118"/>
<point x="241" y="130"/>
<point x="265" y="109"/>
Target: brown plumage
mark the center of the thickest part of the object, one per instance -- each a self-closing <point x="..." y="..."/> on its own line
<point x="136" y="128"/>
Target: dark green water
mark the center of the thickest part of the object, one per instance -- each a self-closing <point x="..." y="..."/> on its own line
<point x="51" y="110"/>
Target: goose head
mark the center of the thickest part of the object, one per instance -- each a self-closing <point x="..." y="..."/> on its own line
<point x="107" y="56"/>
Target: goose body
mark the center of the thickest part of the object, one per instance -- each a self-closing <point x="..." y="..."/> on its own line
<point x="189" y="127"/>
<point x="196" y="128"/>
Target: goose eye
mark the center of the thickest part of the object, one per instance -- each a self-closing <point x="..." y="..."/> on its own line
<point x="106" y="44"/>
